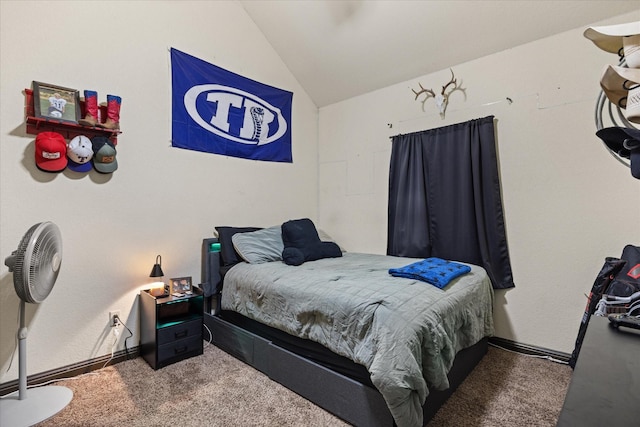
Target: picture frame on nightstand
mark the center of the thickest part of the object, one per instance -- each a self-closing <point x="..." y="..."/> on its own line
<point x="180" y="286"/>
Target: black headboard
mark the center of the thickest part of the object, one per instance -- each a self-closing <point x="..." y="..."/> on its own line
<point x="210" y="268"/>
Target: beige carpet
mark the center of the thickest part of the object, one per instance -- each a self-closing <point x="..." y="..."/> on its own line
<point x="215" y="389"/>
<point x="507" y="390"/>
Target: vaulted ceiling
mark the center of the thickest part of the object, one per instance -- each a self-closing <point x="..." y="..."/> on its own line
<point x="338" y="49"/>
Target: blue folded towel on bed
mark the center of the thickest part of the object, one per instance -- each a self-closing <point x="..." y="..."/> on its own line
<point x="438" y="272"/>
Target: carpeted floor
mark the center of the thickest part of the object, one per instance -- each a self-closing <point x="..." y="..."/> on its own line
<point x="507" y="390"/>
<point x="215" y="389"/>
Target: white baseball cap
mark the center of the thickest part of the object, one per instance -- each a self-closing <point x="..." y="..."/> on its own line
<point x="621" y="85"/>
<point x="621" y="38"/>
<point x="609" y="37"/>
<point x="80" y="152"/>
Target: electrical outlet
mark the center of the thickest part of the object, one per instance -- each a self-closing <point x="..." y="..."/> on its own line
<point x="112" y="317"/>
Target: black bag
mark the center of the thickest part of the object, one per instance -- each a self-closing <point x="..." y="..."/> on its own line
<point x="618" y="277"/>
<point x="627" y="281"/>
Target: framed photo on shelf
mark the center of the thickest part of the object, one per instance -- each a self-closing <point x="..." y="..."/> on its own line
<point x="180" y="285"/>
<point x="56" y="102"/>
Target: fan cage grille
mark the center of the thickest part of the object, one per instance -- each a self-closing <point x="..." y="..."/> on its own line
<point x="37" y="264"/>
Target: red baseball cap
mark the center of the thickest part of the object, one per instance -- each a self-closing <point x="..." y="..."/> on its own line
<point x="51" y="150"/>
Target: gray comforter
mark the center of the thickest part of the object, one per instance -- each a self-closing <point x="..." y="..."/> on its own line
<point x="405" y="332"/>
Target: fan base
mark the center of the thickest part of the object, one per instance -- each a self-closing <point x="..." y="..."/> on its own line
<point x="40" y="403"/>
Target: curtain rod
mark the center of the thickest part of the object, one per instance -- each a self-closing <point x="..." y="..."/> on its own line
<point x="445" y="126"/>
<point x="507" y="99"/>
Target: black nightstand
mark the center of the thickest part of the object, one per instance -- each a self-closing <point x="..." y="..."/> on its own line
<point x="170" y="327"/>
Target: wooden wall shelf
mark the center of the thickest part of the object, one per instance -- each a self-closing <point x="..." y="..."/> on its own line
<point x="68" y="130"/>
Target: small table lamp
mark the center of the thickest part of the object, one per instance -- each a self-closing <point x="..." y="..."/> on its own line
<point x="157" y="288"/>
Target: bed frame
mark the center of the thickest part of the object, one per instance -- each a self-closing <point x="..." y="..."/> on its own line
<point x="342" y="395"/>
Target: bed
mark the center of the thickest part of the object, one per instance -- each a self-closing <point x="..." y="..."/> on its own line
<point x="373" y="349"/>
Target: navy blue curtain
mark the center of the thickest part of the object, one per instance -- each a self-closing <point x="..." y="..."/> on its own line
<point x="445" y="199"/>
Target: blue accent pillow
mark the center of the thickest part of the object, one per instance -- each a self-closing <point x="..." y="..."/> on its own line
<point x="436" y="271"/>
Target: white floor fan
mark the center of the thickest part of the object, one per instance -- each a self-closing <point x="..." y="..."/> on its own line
<point x="35" y="266"/>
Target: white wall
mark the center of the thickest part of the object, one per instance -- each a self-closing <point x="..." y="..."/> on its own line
<point x="568" y="204"/>
<point x="161" y="200"/>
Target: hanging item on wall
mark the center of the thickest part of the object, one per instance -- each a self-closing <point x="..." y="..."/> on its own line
<point x="104" y="155"/>
<point x="80" y="153"/>
<point x="59" y="109"/>
<point x="51" y="152"/>
<point x="217" y="111"/>
<point x="620" y="86"/>
<point x="621" y="39"/>
<point x="92" y="111"/>
<point x="56" y="102"/>
<point x="625" y="142"/>
<point x="442" y="98"/>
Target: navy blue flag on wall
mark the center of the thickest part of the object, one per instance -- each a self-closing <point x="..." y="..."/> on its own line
<point x="217" y="111"/>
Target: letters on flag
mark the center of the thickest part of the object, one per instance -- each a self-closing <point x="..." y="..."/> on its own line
<point x="217" y="111"/>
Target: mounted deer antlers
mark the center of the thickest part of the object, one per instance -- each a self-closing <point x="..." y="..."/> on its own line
<point x="442" y="98"/>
